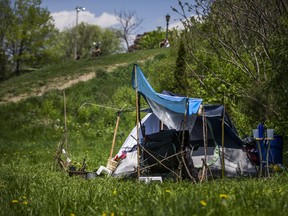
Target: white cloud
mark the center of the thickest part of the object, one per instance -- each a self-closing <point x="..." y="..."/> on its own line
<point x="178" y="25"/>
<point x="106" y="20"/>
<point x="67" y="19"/>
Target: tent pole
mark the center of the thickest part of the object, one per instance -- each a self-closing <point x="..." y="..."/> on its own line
<point x="204" y="122"/>
<point x="223" y="161"/>
<point x="182" y="141"/>
<point x="161" y="126"/>
<point x="137" y="123"/>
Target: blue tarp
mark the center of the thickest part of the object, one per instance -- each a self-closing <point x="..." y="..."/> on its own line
<point x="176" y="104"/>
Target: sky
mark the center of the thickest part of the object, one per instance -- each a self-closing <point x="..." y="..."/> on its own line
<point x="102" y="13"/>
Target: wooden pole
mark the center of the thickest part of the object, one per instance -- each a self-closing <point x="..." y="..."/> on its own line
<point x="260" y="155"/>
<point x="137" y="123"/>
<point x="205" y="140"/>
<point x="182" y="161"/>
<point x="267" y="159"/>
<point x="65" y="121"/>
<point x="223" y="137"/>
<point x="267" y="155"/>
<point x="114" y="137"/>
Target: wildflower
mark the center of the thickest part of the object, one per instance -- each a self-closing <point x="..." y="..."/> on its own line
<point x="112" y="214"/>
<point x="24" y="197"/>
<point x="114" y="192"/>
<point x="104" y="214"/>
<point x="72" y="214"/>
<point x="168" y="191"/>
<point x="203" y="203"/>
<point x="24" y="202"/>
<point x="14" y="201"/>
<point x="223" y="196"/>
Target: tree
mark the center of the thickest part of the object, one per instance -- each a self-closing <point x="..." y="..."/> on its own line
<point x="5" y="17"/>
<point x="148" y="40"/>
<point x="31" y="30"/>
<point x="230" y="44"/>
<point x="180" y="77"/>
<point x="278" y="84"/>
<point x="128" y="23"/>
<point x="87" y="35"/>
<point x="106" y="38"/>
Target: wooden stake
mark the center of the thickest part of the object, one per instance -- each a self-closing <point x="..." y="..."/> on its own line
<point x="137" y="123"/>
<point x="260" y="155"/>
<point x="267" y="155"/>
<point x="65" y="122"/>
<point x="114" y="137"/>
<point x="267" y="159"/>
<point x="223" y="161"/>
<point x="205" y="140"/>
<point x="182" y="161"/>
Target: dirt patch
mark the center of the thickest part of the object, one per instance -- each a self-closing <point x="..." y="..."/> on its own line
<point x="113" y="67"/>
<point x="55" y="84"/>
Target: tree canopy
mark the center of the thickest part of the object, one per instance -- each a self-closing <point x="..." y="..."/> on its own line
<point x="236" y="53"/>
<point x="29" y="39"/>
<point x="29" y="30"/>
<point x="88" y="34"/>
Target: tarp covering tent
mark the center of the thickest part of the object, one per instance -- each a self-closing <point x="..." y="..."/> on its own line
<point x="179" y="113"/>
<point x="170" y="109"/>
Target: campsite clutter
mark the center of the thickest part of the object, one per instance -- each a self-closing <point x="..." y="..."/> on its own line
<point x="183" y="138"/>
<point x="266" y="150"/>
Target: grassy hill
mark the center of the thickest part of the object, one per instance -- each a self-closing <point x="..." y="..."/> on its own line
<point x="34" y="82"/>
<point x="33" y="124"/>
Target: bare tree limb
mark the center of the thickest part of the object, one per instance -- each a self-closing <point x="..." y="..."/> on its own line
<point x="128" y="22"/>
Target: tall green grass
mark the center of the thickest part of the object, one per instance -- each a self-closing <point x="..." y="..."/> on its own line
<point x="29" y="187"/>
<point x="32" y="129"/>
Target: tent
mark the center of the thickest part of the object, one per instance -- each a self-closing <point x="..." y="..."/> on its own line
<point x="176" y="124"/>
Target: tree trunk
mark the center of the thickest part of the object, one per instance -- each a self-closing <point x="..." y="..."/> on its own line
<point x="17" y="70"/>
<point x="127" y="44"/>
<point x="2" y="66"/>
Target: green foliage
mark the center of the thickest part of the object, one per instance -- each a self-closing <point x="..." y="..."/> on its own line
<point x="86" y="35"/>
<point x="29" y="32"/>
<point x="32" y="129"/>
<point x="159" y="73"/>
<point x="277" y="86"/>
<point x="180" y="76"/>
<point x="29" y="39"/>
<point x="150" y="40"/>
<point x="235" y="60"/>
<point x="5" y="17"/>
<point x="42" y="191"/>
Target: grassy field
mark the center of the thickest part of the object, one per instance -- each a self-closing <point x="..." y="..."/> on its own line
<point x="32" y="128"/>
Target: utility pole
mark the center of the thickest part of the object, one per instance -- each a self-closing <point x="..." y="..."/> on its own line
<point x="167" y="24"/>
<point x="78" y="9"/>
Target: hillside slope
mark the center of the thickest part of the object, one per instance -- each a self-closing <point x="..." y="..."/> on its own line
<point x="63" y="75"/>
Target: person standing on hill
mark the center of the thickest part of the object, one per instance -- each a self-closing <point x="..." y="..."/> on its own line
<point x="164" y="43"/>
<point x="96" y="51"/>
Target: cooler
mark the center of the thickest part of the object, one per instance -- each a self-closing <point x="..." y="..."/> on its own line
<point x="276" y="150"/>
